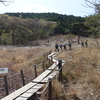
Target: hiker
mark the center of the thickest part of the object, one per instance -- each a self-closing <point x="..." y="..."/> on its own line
<point x="70" y="46"/>
<point x="56" y="47"/>
<point x="82" y="44"/>
<point x="64" y="47"/>
<point x="61" y="46"/>
<point x="86" y="44"/>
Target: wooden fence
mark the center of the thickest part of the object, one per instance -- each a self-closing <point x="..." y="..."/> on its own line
<point x="31" y="89"/>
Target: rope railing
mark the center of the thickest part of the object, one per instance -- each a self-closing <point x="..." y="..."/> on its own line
<point x="44" y="78"/>
<point x="15" y="81"/>
<point x="57" y="68"/>
<point x="14" y="75"/>
<point x="47" y="84"/>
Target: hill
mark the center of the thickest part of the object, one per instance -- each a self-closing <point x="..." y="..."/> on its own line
<point x="65" y="20"/>
<point x="20" y="28"/>
<point x="49" y="17"/>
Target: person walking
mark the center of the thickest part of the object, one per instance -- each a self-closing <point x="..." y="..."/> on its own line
<point x="82" y="44"/>
<point x="86" y="44"/>
<point x="56" y="47"/>
<point x="64" y="47"/>
<point x="70" y="46"/>
<point x="61" y="47"/>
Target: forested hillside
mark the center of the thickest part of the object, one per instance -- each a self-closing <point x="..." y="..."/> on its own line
<point x="49" y="17"/>
<point x="64" y="21"/>
<point x="16" y="30"/>
<point x="19" y="28"/>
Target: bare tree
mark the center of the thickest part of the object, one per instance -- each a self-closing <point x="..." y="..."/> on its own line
<point x="6" y="2"/>
<point x="95" y="4"/>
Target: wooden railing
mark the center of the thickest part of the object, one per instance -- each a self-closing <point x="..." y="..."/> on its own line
<point x="29" y="90"/>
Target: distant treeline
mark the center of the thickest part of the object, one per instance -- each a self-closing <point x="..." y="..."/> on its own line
<point x="49" y="17"/>
<point x="64" y="21"/>
<point x="19" y="28"/>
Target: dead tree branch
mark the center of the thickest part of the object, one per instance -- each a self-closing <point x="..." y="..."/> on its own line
<point x="5" y="1"/>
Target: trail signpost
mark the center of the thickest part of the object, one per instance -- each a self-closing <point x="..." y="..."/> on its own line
<point x="3" y="70"/>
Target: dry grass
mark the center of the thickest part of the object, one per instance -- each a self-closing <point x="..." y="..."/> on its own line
<point x="81" y="74"/>
<point x="82" y="71"/>
<point x="57" y="91"/>
<point x="21" y="58"/>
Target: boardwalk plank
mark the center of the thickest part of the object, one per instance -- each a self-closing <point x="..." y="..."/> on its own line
<point x="42" y="76"/>
<point x="21" y="98"/>
<point x="33" y="90"/>
<point x="52" y="66"/>
<point x="51" y="76"/>
<point x="19" y="91"/>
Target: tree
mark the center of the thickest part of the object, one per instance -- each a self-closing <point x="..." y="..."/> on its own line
<point x="93" y="21"/>
<point x="5" y="2"/>
<point x="79" y="29"/>
<point x="94" y="4"/>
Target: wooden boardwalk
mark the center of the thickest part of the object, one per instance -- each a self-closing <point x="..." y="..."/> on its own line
<point x="31" y="88"/>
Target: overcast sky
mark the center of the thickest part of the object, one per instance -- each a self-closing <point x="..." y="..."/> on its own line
<point x="68" y="7"/>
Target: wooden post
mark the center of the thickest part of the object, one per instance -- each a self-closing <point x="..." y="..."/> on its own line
<point x="44" y="54"/>
<point x="50" y="90"/>
<point x="49" y="61"/>
<point x="36" y="96"/>
<point x="6" y="85"/>
<point x="35" y="71"/>
<point x="33" y="97"/>
<point x="43" y="66"/>
<point x="60" y="69"/>
<point x="51" y="58"/>
<point x="22" y="76"/>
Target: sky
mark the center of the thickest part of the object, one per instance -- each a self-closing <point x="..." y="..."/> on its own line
<point x="66" y="7"/>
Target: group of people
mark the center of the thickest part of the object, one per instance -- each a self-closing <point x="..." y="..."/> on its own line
<point x="62" y="46"/>
<point x="84" y="44"/>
